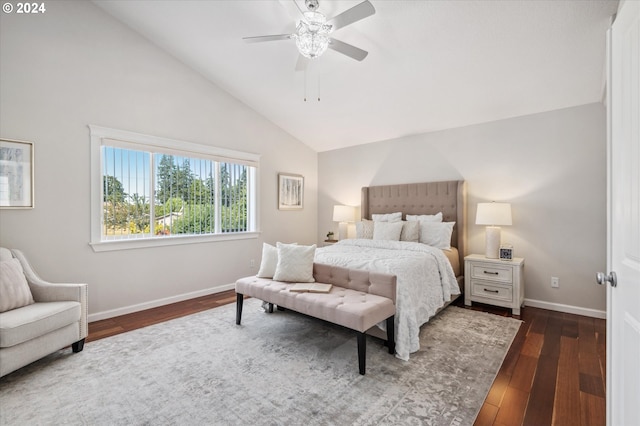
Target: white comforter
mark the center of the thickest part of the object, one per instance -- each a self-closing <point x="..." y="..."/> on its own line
<point x="424" y="275"/>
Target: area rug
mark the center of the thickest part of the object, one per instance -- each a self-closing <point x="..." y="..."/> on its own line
<point x="274" y="369"/>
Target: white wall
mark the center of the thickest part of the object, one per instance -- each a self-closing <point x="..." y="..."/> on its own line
<point x="75" y="65"/>
<point x="550" y="166"/>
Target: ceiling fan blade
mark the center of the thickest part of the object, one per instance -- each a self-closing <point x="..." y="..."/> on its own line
<point x="347" y="49"/>
<point x="302" y="63"/>
<point x="259" y="39"/>
<point x="349" y="16"/>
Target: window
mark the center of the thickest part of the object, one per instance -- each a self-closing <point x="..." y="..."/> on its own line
<point x="149" y="191"/>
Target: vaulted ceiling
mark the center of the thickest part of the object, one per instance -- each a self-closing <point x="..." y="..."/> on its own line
<point x="432" y="65"/>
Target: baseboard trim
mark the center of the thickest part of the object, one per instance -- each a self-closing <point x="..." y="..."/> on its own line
<point x="159" y="302"/>
<point x="569" y="309"/>
<point x="559" y="307"/>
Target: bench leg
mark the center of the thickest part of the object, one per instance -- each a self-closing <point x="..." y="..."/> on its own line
<point x="362" y="352"/>
<point x="391" y="332"/>
<point x="239" y="300"/>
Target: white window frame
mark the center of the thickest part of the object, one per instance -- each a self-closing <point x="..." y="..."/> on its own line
<point x="156" y="144"/>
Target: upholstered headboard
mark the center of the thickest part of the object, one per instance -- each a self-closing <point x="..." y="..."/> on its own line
<point x="448" y="197"/>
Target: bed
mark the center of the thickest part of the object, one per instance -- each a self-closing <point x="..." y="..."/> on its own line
<point x="429" y="278"/>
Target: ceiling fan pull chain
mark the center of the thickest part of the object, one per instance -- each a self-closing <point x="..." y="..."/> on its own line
<point x="318" y="87"/>
<point x="305" y="85"/>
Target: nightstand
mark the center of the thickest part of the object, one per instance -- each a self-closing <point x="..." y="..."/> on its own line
<point x="329" y="242"/>
<point x="494" y="281"/>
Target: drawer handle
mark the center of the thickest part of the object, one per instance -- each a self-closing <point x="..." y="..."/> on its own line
<point x="490" y="273"/>
<point x="490" y="291"/>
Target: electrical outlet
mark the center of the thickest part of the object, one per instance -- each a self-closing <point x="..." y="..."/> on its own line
<point x="555" y="282"/>
<point x="252" y="263"/>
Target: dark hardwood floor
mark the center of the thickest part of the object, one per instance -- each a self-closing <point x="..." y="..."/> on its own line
<point x="553" y="374"/>
<point x="116" y="325"/>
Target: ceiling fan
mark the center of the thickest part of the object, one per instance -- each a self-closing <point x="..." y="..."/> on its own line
<point x="312" y="34"/>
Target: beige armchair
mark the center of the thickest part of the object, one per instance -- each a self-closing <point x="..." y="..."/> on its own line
<point x="55" y="319"/>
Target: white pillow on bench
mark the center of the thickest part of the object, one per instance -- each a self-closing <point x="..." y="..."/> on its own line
<point x="269" y="261"/>
<point x="295" y="263"/>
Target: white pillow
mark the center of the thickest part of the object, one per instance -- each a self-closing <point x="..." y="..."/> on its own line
<point x="436" y="234"/>
<point x="387" y="231"/>
<point x="295" y="263"/>
<point x="364" y="229"/>
<point x="389" y="217"/>
<point x="410" y="232"/>
<point x="425" y="217"/>
<point x="269" y="261"/>
<point x="14" y="289"/>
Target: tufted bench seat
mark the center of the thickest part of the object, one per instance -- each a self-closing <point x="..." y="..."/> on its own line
<point x="358" y="300"/>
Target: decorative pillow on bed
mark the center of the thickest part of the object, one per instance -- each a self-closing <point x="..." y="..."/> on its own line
<point x="425" y="217"/>
<point x="410" y="232"/>
<point x="387" y="231"/>
<point x="295" y="263"/>
<point x="269" y="261"/>
<point x="364" y="229"/>
<point x="389" y="217"/>
<point x="14" y="289"/>
<point x="436" y="234"/>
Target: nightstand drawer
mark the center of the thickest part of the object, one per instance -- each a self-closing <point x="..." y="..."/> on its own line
<point x="480" y="289"/>
<point x="492" y="273"/>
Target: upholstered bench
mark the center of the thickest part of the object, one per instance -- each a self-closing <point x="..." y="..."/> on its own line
<point x="358" y="300"/>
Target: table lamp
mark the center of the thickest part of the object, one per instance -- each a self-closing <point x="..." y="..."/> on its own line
<point x="343" y="215"/>
<point x="492" y="215"/>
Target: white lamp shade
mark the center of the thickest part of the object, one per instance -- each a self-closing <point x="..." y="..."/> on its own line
<point x="493" y="214"/>
<point x="344" y="213"/>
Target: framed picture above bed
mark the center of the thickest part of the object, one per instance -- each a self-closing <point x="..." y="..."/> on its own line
<point x="290" y="191"/>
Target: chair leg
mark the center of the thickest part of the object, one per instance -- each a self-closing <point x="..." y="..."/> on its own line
<point x="391" y="332"/>
<point x="362" y="352"/>
<point x="78" y="346"/>
<point x="239" y="300"/>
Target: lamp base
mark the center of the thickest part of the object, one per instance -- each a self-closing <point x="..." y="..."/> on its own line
<point x="492" y="241"/>
<point x="342" y="231"/>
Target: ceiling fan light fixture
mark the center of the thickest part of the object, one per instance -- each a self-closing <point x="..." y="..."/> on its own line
<point x="313" y="31"/>
<point x="312" y="35"/>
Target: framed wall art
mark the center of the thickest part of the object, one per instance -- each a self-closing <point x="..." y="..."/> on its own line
<point x="290" y="191"/>
<point x="16" y="174"/>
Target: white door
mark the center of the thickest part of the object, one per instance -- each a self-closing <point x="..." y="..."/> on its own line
<point x="623" y="251"/>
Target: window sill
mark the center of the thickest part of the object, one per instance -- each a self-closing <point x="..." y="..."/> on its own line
<point x="174" y="240"/>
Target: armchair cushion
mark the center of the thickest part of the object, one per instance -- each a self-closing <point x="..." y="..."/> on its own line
<point x="14" y="289"/>
<point x="21" y="325"/>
